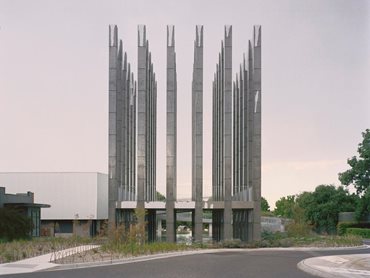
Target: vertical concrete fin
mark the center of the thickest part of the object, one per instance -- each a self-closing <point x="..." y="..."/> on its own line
<point x="245" y="62"/>
<point x="113" y="35"/>
<point x="120" y="51"/>
<point x="257" y="35"/>
<point x="250" y="54"/>
<point x="132" y="92"/>
<point x="115" y="40"/>
<point x="199" y="35"/>
<point x="170" y="35"/>
<point x="141" y="35"/>
<point x="125" y="61"/>
<point x="228" y="30"/>
<point x="110" y="35"/>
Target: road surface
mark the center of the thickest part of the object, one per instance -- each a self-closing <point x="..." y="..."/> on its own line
<point x="261" y="264"/>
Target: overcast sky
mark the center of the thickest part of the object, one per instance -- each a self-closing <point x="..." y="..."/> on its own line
<point x="315" y="83"/>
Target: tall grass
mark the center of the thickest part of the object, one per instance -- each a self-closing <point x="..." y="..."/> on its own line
<point x="22" y="249"/>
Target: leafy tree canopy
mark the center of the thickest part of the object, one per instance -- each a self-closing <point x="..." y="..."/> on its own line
<point x="323" y="205"/>
<point x="264" y="204"/>
<point x="284" y="206"/>
<point x="160" y="196"/>
<point x="359" y="174"/>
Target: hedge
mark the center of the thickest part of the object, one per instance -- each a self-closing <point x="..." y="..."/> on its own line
<point x="343" y="226"/>
<point x="364" y="233"/>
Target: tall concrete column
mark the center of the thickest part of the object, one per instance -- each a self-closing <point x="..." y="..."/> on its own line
<point x="171" y="135"/>
<point x="197" y="134"/>
<point x="222" y="138"/>
<point x="250" y="118"/>
<point x="112" y="178"/>
<point x="245" y="128"/>
<point x="217" y="139"/>
<point x="141" y="114"/>
<point x="256" y="182"/>
<point x="227" y="125"/>
<point x="146" y="131"/>
<point x="133" y="139"/>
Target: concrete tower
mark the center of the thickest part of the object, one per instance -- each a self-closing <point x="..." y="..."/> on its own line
<point x="256" y="146"/>
<point x="171" y="135"/>
<point x="222" y="140"/>
<point x="112" y="163"/>
<point x="122" y="126"/>
<point x="146" y="132"/>
<point x="236" y="139"/>
<point x="247" y="142"/>
<point x="197" y="134"/>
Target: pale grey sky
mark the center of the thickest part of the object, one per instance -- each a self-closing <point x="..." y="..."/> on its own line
<point x="315" y="82"/>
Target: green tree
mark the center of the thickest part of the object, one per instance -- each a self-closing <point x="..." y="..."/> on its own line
<point x="160" y="197"/>
<point x="359" y="175"/>
<point x="322" y="206"/>
<point x="264" y="204"/>
<point x="284" y="206"/>
<point x="299" y="227"/>
<point x="14" y="225"/>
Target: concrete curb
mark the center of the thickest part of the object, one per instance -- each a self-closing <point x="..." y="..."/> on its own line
<point x="302" y="265"/>
<point x="349" y="266"/>
<point x="192" y="252"/>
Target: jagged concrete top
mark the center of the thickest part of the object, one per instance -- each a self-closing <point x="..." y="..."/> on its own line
<point x="228" y="35"/>
<point x="257" y="35"/>
<point x="125" y="61"/>
<point x="120" y="51"/>
<point x="141" y="29"/>
<point x="170" y="35"/>
<point x="245" y="62"/>
<point x="113" y="35"/>
<point x="132" y="89"/>
<point x="199" y="36"/>
<point x="228" y="30"/>
<point x="250" y="50"/>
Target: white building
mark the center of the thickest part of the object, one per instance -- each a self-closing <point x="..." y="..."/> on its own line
<point x="75" y="198"/>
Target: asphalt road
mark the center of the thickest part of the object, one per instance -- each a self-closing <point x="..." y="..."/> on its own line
<point x="261" y="264"/>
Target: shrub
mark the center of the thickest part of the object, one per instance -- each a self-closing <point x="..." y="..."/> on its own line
<point x="14" y="225"/>
<point x="364" y="233"/>
<point x="298" y="229"/>
<point x="235" y="243"/>
<point x="343" y="226"/>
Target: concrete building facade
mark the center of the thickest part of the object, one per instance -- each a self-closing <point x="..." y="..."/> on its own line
<point x="78" y="200"/>
<point x="24" y="204"/>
